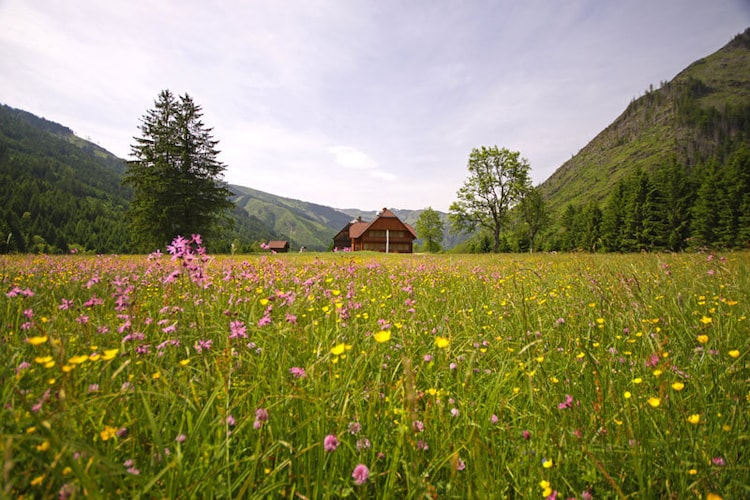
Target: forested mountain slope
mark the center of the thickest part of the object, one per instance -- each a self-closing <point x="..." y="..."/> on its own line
<point x="57" y="192"/>
<point x="702" y="113"/>
<point x="670" y="172"/>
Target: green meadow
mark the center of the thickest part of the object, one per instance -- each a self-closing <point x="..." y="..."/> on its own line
<point x="375" y="376"/>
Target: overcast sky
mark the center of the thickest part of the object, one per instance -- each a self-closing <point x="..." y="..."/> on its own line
<point x="356" y="104"/>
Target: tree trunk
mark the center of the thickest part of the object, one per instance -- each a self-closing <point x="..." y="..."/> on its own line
<point x="496" y="244"/>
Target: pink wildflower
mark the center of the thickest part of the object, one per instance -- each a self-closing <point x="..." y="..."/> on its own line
<point x="330" y="443"/>
<point x="237" y="330"/>
<point x="361" y="474"/>
<point x="568" y="403"/>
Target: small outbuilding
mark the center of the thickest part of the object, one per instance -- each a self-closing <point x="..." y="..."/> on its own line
<point x="278" y="246"/>
<point x="387" y="233"/>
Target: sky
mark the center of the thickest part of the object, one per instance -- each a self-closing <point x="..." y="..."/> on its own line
<point x="353" y="103"/>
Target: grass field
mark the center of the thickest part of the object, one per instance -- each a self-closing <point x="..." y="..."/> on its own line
<point x="380" y="376"/>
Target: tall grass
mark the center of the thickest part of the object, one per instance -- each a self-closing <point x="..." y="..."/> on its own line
<point x="605" y="376"/>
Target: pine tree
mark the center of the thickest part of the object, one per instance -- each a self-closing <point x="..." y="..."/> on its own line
<point x="175" y="176"/>
<point x="655" y="220"/>
<point x="570" y="237"/>
<point x="613" y="216"/>
<point x="733" y="199"/>
<point x="589" y="224"/>
<point x="678" y="192"/>
<point x="534" y="214"/>
<point x="705" y="213"/>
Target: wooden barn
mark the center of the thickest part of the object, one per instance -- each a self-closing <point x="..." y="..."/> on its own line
<point x="384" y="234"/>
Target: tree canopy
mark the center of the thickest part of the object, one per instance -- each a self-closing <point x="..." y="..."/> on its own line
<point x="430" y="229"/>
<point x="498" y="179"/>
<point x="175" y="175"/>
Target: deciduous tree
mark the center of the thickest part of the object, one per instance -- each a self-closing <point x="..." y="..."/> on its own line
<point x="430" y="228"/>
<point x="498" y="179"/>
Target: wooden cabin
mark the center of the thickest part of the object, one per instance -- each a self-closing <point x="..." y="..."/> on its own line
<point x="384" y="234"/>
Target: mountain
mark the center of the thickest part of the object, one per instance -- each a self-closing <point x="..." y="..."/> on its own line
<point x="703" y="113"/>
<point x="57" y="191"/>
<point x="303" y="224"/>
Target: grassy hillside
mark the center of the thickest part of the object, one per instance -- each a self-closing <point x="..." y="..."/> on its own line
<point x="703" y="112"/>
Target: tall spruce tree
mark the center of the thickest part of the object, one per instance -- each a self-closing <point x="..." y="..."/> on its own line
<point x="175" y="175"/>
<point x="678" y="190"/>
<point x="613" y="217"/>
<point x="705" y="213"/>
<point x="534" y="214"/>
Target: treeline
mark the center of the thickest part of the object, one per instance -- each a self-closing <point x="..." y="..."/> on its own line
<point x="671" y="209"/>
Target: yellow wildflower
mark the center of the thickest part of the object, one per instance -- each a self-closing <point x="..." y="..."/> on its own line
<point x="734" y="353"/>
<point x="694" y="419"/>
<point x="654" y="402"/>
<point x="678" y="386"/>
<point x="37" y="480"/>
<point x="545" y="485"/>
<point x="77" y="360"/>
<point x="702" y="339"/>
<point x="382" y="336"/>
<point x="110" y="354"/>
<point x="339" y="349"/>
<point x="36" y="340"/>
<point x="442" y="342"/>
<point x="705" y="320"/>
<point x="108" y="432"/>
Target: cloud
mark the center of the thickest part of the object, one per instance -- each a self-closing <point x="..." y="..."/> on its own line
<point x="350" y="157"/>
<point x="382" y="175"/>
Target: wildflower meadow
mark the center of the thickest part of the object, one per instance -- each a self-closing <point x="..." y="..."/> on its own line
<point x="186" y="375"/>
